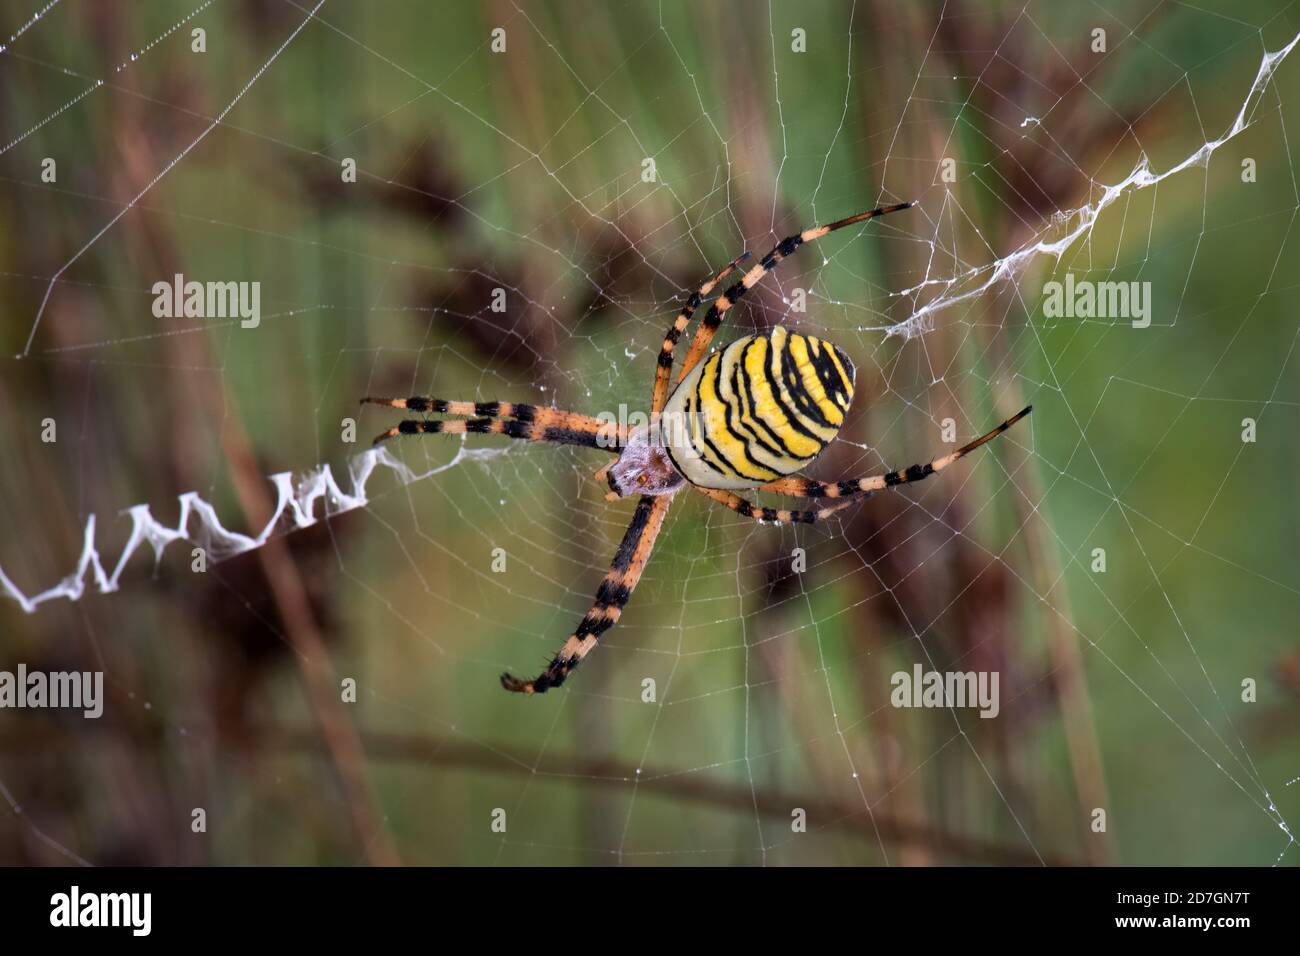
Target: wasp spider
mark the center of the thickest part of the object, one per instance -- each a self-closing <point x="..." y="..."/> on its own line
<point x="748" y="417"/>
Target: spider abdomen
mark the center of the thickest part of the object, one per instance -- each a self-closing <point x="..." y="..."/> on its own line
<point x="761" y="408"/>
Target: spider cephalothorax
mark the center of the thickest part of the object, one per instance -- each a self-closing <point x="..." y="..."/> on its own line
<point x="748" y="417"/>
<point x="644" y="466"/>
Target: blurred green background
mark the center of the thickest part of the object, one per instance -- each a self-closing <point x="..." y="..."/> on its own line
<point x="523" y="170"/>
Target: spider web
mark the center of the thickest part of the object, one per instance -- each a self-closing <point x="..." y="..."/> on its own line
<point x="740" y="712"/>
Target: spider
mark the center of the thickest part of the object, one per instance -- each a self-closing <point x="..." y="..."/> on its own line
<point x="746" y="418"/>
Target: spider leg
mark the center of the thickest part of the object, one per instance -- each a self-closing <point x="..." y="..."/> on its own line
<point x="442" y="406"/>
<point x="663" y="372"/>
<point x="713" y="318"/>
<point x="529" y="422"/>
<point x="775" y="515"/>
<point x="807" y="488"/>
<point x="611" y="598"/>
<point x="528" y="431"/>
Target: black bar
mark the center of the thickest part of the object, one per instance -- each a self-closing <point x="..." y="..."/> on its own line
<point x="213" y="906"/>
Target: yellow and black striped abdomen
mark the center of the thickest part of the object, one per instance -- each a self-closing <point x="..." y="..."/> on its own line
<point x="760" y="409"/>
